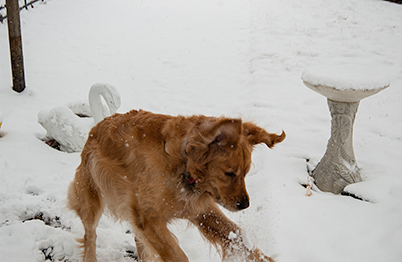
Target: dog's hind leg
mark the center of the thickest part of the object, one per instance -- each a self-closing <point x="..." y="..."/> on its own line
<point x="86" y="202"/>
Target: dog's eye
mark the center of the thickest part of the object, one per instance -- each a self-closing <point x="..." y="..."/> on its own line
<point x="231" y="174"/>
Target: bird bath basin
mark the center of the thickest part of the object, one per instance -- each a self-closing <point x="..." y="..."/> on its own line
<point x="344" y="86"/>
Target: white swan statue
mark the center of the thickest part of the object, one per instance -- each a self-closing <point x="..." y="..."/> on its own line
<point x="64" y="125"/>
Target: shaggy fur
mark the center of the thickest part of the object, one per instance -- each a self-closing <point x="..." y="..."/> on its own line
<point x="149" y="169"/>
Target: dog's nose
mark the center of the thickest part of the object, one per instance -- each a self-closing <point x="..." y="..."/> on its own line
<point x="244" y="203"/>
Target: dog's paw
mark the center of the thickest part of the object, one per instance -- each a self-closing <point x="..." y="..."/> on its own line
<point x="254" y="255"/>
<point x="257" y="256"/>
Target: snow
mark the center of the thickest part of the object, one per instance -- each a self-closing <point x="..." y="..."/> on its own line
<point x="348" y="82"/>
<point x="349" y="76"/>
<point x="68" y="124"/>
<point x="65" y="127"/>
<point x="233" y="58"/>
<point x="104" y="100"/>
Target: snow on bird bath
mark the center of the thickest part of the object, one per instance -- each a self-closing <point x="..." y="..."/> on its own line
<point x="347" y="82"/>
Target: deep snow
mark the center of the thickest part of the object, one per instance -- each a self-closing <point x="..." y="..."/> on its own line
<point x="234" y="58"/>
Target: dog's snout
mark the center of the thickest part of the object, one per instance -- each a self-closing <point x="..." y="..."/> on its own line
<point x="243" y="204"/>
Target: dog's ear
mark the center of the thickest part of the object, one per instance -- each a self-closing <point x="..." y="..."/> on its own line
<point x="224" y="134"/>
<point x="256" y="135"/>
<point x="208" y="138"/>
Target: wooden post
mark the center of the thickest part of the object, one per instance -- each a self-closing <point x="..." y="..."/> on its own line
<point x="14" y="35"/>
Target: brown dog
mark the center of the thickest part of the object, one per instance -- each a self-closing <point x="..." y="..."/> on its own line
<point x="149" y="169"/>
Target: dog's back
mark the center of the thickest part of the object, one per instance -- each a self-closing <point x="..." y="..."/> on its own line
<point x="120" y="162"/>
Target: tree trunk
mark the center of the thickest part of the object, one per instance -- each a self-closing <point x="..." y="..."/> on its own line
<point x="14" y="35"/>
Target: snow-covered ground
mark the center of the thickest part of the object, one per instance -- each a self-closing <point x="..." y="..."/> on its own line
<point x="234" y="58"/>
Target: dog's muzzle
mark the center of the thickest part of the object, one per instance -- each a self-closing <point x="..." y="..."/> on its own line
<point x="240" y="205"/>
<point x="243" y="204"/>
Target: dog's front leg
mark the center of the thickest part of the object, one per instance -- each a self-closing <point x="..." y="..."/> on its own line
<point x="219" y="230"/>
<point x="155" y="242"/>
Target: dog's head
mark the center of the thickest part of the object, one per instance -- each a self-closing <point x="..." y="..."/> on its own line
<point x="219" y="157"/>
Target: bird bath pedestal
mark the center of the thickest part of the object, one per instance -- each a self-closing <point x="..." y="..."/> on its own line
<point x="344" y="86"/>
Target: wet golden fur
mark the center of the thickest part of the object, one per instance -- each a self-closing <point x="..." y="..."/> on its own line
<point x="149" y="169"/>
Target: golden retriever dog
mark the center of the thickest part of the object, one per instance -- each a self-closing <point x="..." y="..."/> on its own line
<point x="149" y="169"/>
